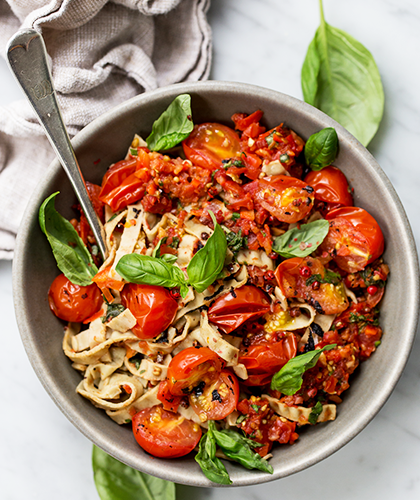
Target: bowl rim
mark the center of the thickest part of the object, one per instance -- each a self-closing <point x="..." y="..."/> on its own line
<point x="412" y="287"/>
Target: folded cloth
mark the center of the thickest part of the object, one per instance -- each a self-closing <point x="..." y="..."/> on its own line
<point x="102" y="52"/>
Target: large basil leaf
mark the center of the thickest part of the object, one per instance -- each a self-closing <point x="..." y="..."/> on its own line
<point x="146" y="270"/>
<point x="340" y="77"/>
<point x="289" y="379"/>
<point x="321" y="148"/>
<point x="173" y="126"/>
<point x="207" y="263"/>
<point x="237" y="448"/>
<point x="206" y="458"/>
<point x="73" y="258"/>
<point x="303" y="241"/>
<point x="116" y="481"/>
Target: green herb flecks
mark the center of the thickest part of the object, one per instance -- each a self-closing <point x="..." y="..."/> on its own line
<point x="112" y="311"/>
<point x="329" y="277"/>
<point x="315" y="413"/>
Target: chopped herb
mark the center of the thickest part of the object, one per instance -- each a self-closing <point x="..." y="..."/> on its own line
<point x="113" y="310"/>
<point x="256" y="408"/>
<point x="235" y="241"/>
<point x="133" y="152"/>
<point x="378" y="342"/>
<point x="284" y="158"/>
<point x="235" y="216"/>
<point x="270" y="138"/>
<point x="128" y="420"/>
<point x="240" y="419"/>
<point x="175" y="242"/>
<point x="136" y="360"/>
<point x="111" y="218"/>
<point x="329" y="277"/>
<point x="315" y="413"/>
<point x="362" y="320"/>
<point x="142" y="371"/>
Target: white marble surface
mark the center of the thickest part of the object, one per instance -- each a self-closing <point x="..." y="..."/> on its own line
<point x="263" y="42"/>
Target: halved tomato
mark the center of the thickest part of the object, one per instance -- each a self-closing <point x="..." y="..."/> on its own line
<point x="210" y="143"/>
<point x="232" y="309"/>
<point x="354" y="239"/>
<point x="331" y="186"/>
<point x="286" y="198"/>
<point x="169" y="401"/>
<point x="192" y="366"/>
<point x="165" y="434"/>
<point x="217" y="400"/>
<point x="264" y="358"/>
<point x="307" y="279"/>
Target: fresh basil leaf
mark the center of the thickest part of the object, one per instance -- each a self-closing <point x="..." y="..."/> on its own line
<point x="156" y="250"/>
<point x="169" y="258"/>
<point x="146" y="270"/>
<point x="315" y="413"/>
<point x="340" y="77"/>
<point x="73" y="258"/>
<point x="116" y="481"/>
<point x="289" y="379"/>
<point x="173" y="126"/>
<point x="303" y="241"/>
<point x="112" y="311"/>
<point x="207" y="263"/>
<point x="237" y="448"/>
<point x="321" y="148"/>
<point x="211" y="466"/>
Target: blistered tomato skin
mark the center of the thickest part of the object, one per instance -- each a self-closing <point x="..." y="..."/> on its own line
<point x="331" y="186"/>
<point x="165" y="434"/>
<point x="71" y="302"/>
<point x="152" y="306"/>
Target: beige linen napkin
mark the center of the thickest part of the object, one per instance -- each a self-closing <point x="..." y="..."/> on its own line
<point x="102" y="52"/>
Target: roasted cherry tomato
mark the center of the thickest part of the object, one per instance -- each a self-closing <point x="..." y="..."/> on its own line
<point x="354" y="239"/>
<point x="286" y="198"/>
<point x="153" y="307"/>
<point x="192" y="366"/>
<point x="210" y="143"/>
<point x="326" y="298"/>
<point x="232" y="309"/>
<point x="216" y="400"/>
<point x="72" y="302"/>
<point x="331" y="186"/>
<point x="121" y="186"/>
<point x="165" y="434"/>
<point x="169" y="401"/>
<point x="264" y="357"/>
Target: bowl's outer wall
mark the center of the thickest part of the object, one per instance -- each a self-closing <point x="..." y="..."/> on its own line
<point x="107" y="140"/>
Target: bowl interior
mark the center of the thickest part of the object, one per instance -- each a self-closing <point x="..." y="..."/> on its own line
<point x="105" y="141"/>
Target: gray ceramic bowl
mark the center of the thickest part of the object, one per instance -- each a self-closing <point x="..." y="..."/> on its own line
<point x="107" y="139"/>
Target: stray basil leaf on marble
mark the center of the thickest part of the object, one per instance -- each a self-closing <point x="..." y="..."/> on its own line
<point x="289" y="379"/>
<point x="300" y="242"/>
<point x="173" y="126"/>
<point x="116" y="481"/>
<point x="72" y="257"/>
<point x="321" y="148"/>
<point x="340" y="77"/>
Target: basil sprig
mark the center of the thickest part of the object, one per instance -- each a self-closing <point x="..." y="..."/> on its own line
<point x="289" y="379"/>
<point x="340" y="77"/>
<point x="321" y="148"/>
<point x="211" y="466"/>
<point x="303" y="241"/>
<point x="116" y="481"/>
<point x="72" y="256"/>
<point x="167" y="257"/>
<point x="329" y="277"/>
<point x="202" y="271"/>
<point x="173" y="126"/>
<point x="315" y="413"/>
<point x="234" y="446"/>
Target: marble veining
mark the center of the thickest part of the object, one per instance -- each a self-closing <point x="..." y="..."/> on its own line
<point x="262" y="42"/>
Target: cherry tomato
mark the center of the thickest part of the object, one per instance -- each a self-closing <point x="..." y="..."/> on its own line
<point x="153" y="307"/>
<point x="232" y="309"/>
<point x="354" y="239"/>
<point x="217" y="400"/>
<point x="169" y="401"/>
<point x="326" y="298"/>
<point x="286" y="198"/>
<point x="264" y="358"/>
<point x="210" y="143"/>
<point x="121" y="186"/>
<point x="331" y="186"/>
<point x="192" y="366"/>
<point x="165" y="434"/>
<point x="72" y="302"/>
<point x="105" y="281"/>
